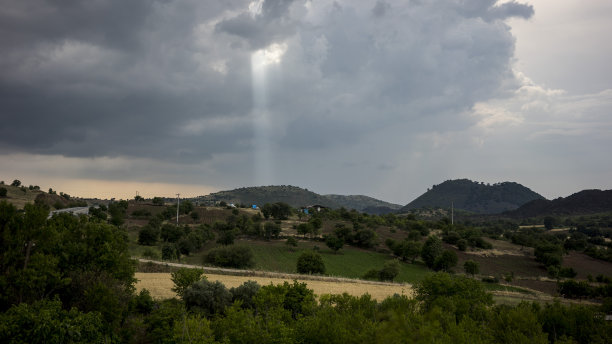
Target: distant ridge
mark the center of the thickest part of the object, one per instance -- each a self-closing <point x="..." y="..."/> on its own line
<point x="475" y="197"/>
<point x="581" y="203"/>
<point x="298" y="197"/>
<point x="363" y="203"/>
<point x="260" y="195"/>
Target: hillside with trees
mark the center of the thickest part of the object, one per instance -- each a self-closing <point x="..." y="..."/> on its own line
<point x="297" y="197"/>
<point x="474" y="197"/>
<point x="260" y="195"/>
<point x="363" y="203"/>
<point x="581" y="203"/>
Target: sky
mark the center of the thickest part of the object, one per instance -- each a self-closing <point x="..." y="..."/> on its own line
<point x="109" y="98"/>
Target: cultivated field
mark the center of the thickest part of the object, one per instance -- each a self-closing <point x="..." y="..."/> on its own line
<point x="160" y="285"/>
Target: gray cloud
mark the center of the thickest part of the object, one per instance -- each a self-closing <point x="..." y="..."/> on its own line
<point x="176" y="81"/>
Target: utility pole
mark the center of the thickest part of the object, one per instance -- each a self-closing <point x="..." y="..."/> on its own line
<point x="177" y="206"/>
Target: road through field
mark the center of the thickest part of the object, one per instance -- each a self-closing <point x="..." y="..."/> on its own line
<point x="160" y="284"/>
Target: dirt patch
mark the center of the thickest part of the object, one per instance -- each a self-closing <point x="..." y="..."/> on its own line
<point x="160" y="285"/>
<point x="585" y="265"/>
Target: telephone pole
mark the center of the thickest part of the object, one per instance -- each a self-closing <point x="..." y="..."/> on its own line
<point x="177" y="206"/>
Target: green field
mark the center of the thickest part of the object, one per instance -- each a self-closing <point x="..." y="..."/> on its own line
<point x="348" y="262"/>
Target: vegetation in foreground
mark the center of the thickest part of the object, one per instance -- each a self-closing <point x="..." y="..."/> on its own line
<point x="70" y="280"/>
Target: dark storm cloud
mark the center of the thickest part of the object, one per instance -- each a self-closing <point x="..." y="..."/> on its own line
<point x="172" y="80"/>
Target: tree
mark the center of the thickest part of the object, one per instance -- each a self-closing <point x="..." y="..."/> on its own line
<point x="310" y="263"/>
<point x="304" y="228"/>
<point x="271" y="230"/>
<point x="158" y="201"/>
<point x="460" y="295"/>
<point x="16" y="182"/>
<point x="148" y="236"/>
<point x="471" y="267"/>
<point x="549" y="222"/>
<point x="183" y="278"/>
<point x="238" y="257"/>
<point x="138" y="198"/>
<point x="446" y="261"/>
<point x="432" y="249"/>
<point x="207" y="297"/>
<point x="291" y="242"/>
<point x="3" y="192"/>
<point x="334" y="243"/>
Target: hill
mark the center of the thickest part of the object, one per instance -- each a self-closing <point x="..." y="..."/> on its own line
<point x="260" y="195"/>
<point x="581" y="203"/>
<point x="475" y="197"/>
<point x="364" y="203"/>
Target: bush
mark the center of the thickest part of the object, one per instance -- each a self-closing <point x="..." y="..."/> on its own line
<point x="3" y="192"/>
<point x="149" y="253"/>
<point x="432" y="249"/>
<point x="169" y="252"/>
<point x="462" y="244"/>
<point x="238" y="257"/>
<point x="310" y="263"/>
<point x="389" y="271"/>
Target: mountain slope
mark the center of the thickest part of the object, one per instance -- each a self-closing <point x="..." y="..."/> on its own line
<point x="475" y="197"/>
<point x="581" y="203"/>
<point x="260" y="195"/>
<point x="361" y="202"/>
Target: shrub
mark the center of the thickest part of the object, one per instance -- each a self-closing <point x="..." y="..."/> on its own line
<point x="3" y="192"/>
<point x="149" y="253"/>
<point x="169" y="252"/>
<point x="462" y="244"/>
<point x="310" y="263"/>
<point x="232" y="257"/>
<point x="389" y="271"/>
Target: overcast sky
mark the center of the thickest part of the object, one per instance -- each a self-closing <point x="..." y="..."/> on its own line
<point x="383" y="98"/>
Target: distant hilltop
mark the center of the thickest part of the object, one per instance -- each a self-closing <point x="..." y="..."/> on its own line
<point x="581" y="203"/>
<point x="298" y="197"/>
<point x="475" y="197"/>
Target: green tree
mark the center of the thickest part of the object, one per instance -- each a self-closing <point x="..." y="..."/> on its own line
<point x="238" y="257"/>
<point x="460" y="296"/>
<point x="446" y="261"/>
<point x="432" y="249"/>
<point x="3" y="192"/>
<point x="183" y="278"/>
<point x="207" y="297"/>
<point x="471" y="267"/>
<point x="148" y="236"/>
<point x="16" y="182"/>
<point x="310" y="263"/>
<point x="334" y="243"/>
<point x="158" y="201"/>
<point x="291" y="242"/>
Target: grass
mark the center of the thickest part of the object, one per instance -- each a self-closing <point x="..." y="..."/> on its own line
<point x="348" y="262"/>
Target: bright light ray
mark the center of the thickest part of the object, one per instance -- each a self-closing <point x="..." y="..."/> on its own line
<point x="261" y="61"/>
